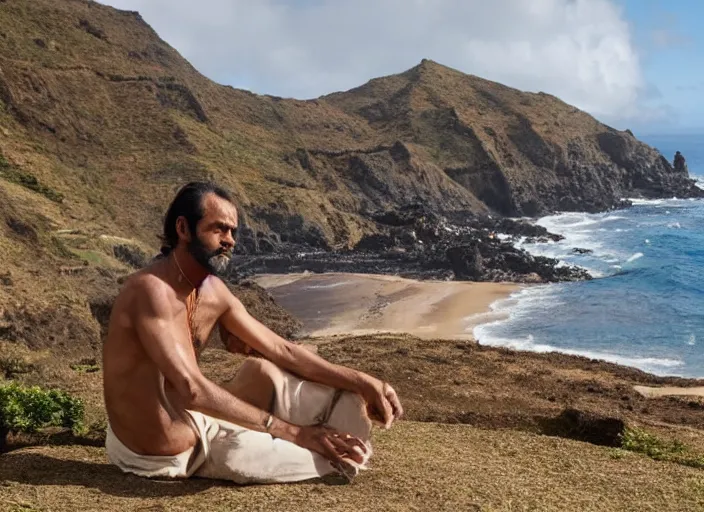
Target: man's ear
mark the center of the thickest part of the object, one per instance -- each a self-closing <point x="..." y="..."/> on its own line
<point x="184" y="232"/>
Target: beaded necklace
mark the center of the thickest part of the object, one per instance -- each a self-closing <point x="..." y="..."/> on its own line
<point x="191" y="306"/>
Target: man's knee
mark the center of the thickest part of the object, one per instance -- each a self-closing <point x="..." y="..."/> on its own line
<point x="259" y="371"/>
<point x="256" y="366"/>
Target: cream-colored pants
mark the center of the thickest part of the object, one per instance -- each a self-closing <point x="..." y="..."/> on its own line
<point x="230" y="452"/>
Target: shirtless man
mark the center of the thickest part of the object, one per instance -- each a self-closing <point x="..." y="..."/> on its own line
<point x="163" y="412"/>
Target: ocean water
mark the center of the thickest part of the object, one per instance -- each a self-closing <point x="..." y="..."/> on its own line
<point x="646" y="307"/>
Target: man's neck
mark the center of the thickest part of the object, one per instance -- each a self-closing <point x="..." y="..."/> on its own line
<point x="189" y="274"/>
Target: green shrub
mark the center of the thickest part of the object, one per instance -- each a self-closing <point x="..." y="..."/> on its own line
<point x="27" y="409"/>
<point x="637" y="440"/>
<point x="640" y="441"/>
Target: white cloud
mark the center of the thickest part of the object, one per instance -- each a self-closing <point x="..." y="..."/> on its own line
<point x="580" y="50"/>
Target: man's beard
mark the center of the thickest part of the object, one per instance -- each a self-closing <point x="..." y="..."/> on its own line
<point x="216" y="262"/>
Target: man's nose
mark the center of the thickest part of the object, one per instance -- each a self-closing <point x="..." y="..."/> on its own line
<point x="228" y="240"/>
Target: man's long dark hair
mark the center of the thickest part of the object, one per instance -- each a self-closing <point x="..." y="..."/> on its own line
<point x="188" y="203"/>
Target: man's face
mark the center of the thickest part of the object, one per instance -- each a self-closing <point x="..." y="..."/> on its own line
<point x="216" y="232"/>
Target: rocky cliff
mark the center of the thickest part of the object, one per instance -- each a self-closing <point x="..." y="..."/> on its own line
<point x="517" y="153"/>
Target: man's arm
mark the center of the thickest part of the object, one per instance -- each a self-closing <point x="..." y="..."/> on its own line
<point x="171" y="351"/>
<point x="300" y="361"/>
<point x="283" y="353"/>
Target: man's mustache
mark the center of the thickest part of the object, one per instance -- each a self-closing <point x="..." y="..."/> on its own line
<point x="226" y="252"/>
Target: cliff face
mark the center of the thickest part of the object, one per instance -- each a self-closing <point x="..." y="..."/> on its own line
<point x="518" y="153"/>
<point x="101" y="121"/>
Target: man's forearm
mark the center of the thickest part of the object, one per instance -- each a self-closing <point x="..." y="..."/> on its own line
<point x="312" y="367"/>
<point x="215" y="401"/>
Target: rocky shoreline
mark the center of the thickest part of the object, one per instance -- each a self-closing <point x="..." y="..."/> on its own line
<point x="415" y="242"/>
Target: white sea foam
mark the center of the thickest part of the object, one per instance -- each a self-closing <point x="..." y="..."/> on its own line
<point x="580" y="230"/>
<point x="670" y="204"/>
<point x="635" y="257"/>
<point x="530" y="302"/>
<point x="655" y="365"/>
<point x="647" y="202"/>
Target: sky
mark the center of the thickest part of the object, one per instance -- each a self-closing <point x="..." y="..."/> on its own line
<point x="631" y="63"/>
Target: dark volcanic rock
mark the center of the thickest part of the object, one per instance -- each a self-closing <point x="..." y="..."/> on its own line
<point x="376" y="242"/>
<point x="680" y="164"/>
<point x="250" y="241"/>
<point x="415" y="242"/>
<point x="466" y="262"/>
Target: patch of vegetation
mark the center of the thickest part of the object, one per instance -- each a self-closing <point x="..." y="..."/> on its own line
<point x="86" y="366"/>
<point x="59" y="248"/>
<point x="89" y="256"/>
<point x="28" y="409"/>
<point x="28" y="181"/>
<point x="11" y="366"/>
<point x="640" y="441"/>
<point x="617" y="453"/>
<point x="22" y="507"/>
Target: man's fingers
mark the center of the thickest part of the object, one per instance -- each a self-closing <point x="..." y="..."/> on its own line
<point x="396" y="404"/>
<point x="352" y="441"/>
<point x="388" y="412"/>
<point x="347" y="438"/>
<point x="330" y="451"/>
<point x="346" y="449"/>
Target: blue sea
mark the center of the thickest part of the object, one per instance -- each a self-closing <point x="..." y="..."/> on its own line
<point x="646" y="307"/>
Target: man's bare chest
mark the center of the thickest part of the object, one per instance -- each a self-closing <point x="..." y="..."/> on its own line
<point x="202" y="320"/>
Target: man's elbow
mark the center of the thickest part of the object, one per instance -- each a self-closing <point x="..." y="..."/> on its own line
<point x="191" y="391"/>
<point x="286" y="354"/>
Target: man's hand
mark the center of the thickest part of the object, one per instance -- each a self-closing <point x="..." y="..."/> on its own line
<point x="383" y="404"/>
<point x="331" y="444"/>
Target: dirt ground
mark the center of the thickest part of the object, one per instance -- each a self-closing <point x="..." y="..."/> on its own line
<point x="485" y="430"/>
<point x="419" y="466"/>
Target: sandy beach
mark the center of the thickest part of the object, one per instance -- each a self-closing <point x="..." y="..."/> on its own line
<point x="356" y="304"/>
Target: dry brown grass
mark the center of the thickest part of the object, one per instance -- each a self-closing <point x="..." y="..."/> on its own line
<point x="418" y="466"/>
<point x="493" y="462"/>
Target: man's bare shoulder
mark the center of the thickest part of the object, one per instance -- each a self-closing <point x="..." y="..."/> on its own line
<point x="221" y="290"/>
<point x="148" y="292"/>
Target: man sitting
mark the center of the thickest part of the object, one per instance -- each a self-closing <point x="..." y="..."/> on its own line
<point x="287" y="416"/>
